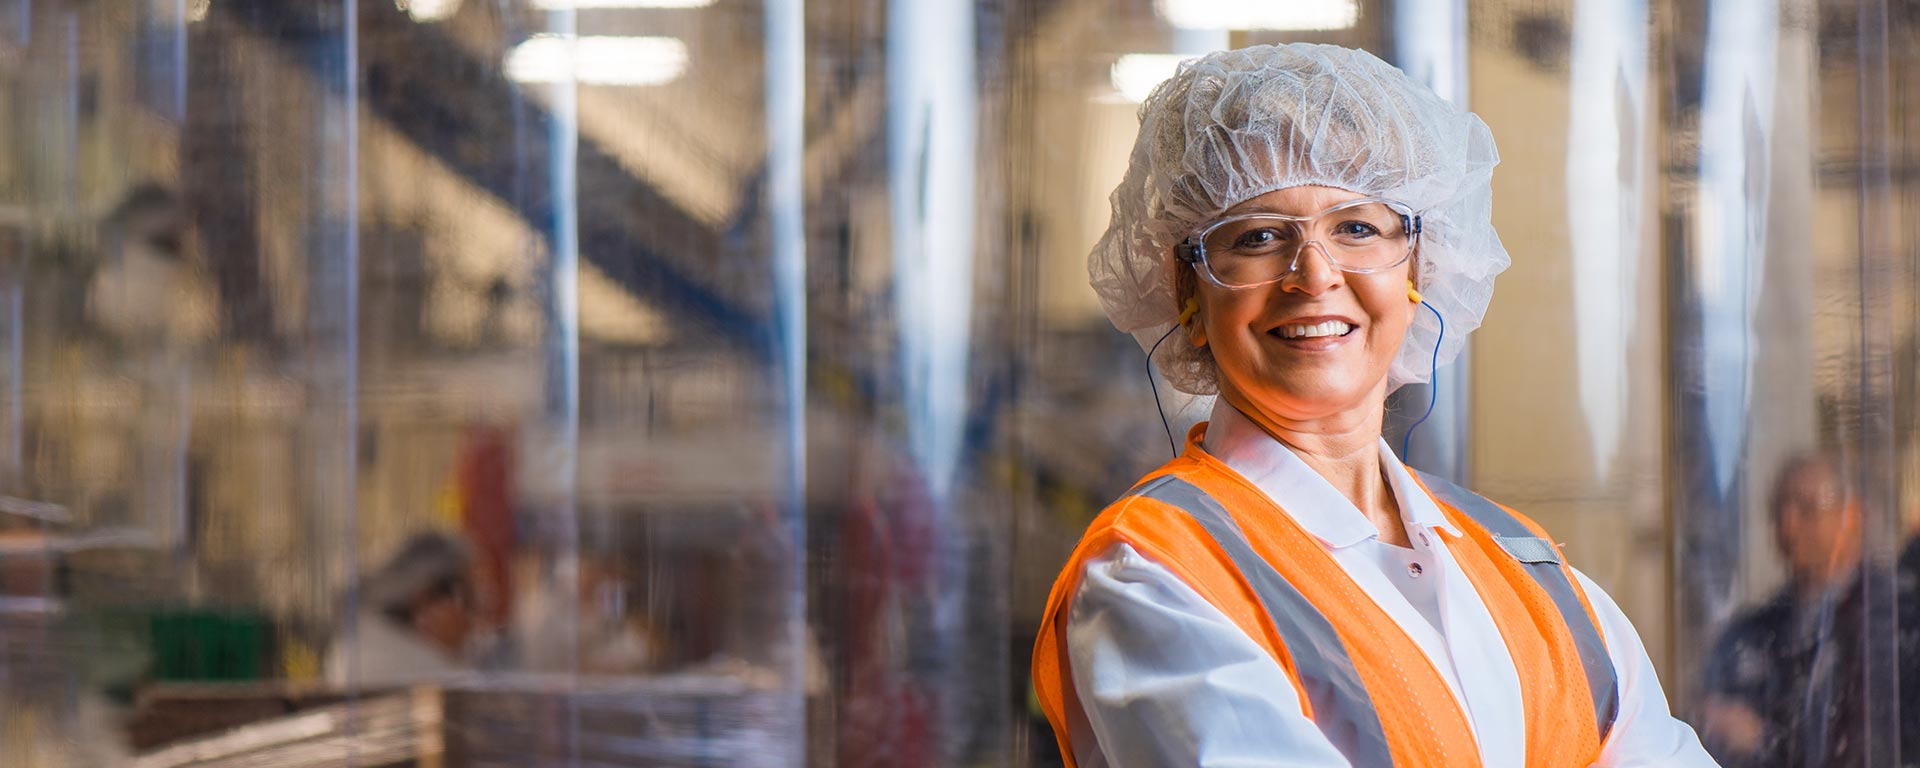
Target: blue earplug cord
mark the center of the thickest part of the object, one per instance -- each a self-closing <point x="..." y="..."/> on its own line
<point x="1433" y="381"/>
<point x="1171" y="445"/>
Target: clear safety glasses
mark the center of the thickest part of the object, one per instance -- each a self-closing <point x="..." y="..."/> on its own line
<point x="1365" y="235"/>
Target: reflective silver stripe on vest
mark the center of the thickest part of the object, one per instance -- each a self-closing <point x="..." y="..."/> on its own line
<point x="1342" y="709"/>
<point x="1543" y="565"/>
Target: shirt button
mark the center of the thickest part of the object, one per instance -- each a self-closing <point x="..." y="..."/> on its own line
<point x="1414" y="570"/>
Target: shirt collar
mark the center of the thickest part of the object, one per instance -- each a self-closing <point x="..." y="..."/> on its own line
<point x="1302" y="493"/>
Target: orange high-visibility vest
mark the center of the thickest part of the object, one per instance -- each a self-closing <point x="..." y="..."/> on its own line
<point x="1360" y="678"/>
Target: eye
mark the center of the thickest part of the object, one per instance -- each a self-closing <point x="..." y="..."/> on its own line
<point x="1357" y="230"/>
<point x="1258" y="239"/>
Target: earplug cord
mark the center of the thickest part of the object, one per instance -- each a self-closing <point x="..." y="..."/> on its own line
<point x="1171" y="445"/>
<point x="1433" y="381"/>
<point x="1186" y="313"/>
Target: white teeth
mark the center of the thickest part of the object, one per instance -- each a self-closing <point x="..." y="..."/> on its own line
<point x="1327" y="328"/>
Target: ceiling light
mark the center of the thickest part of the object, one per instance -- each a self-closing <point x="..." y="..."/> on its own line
<point x="1135" y="74"/>
<point x="428" y="10"/>
<point x="564" y="5"/>
<point x="597" y="60"/>
<point x="1291" y="15"/>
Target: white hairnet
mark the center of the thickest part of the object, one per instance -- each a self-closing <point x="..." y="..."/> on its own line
<point x="1235" y="125"/>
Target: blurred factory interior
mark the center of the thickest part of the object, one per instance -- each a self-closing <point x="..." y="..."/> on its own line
<point x="716" y="382"/>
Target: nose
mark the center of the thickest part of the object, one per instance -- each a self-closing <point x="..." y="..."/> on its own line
<point x="1313" y="272"/>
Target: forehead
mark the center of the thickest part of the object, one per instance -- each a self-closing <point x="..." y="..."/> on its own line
<point x="1812" y="481"/>
<point x="1296" y="201"/>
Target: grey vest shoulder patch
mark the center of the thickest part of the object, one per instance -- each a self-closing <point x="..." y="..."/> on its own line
<point x="1529" y="549"/>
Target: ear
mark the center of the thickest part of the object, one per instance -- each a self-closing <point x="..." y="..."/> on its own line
<point x="1196" y="330"/>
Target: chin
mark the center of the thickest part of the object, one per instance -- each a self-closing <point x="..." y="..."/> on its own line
<point x="1308" y="397"/>
<point x="1330" y="401"/>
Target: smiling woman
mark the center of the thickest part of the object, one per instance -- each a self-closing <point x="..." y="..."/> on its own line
<point x="1306" y="336"/>
<point x="1286" y="590"/>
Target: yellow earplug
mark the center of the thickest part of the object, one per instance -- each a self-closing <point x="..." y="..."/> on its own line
<point x="1413" y="294"/>
<point x="1193" y="308"/>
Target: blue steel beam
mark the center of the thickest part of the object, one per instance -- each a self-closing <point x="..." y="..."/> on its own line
<point x="465" y="113"/>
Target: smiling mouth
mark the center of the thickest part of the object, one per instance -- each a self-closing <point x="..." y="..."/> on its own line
<point x="1320" y="330"/>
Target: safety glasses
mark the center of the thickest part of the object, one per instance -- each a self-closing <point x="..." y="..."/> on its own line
<point x="1252" y="249"/>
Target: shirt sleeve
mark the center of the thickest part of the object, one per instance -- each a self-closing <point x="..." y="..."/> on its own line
<point x="1645" y="733"/>
<point x="1166" y="679"/>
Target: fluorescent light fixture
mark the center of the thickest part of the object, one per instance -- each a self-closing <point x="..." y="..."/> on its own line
<point x="1135" y="74"/>
<point x="428" y="10"/>
<point x="565" y="5"/>
<point x="597" y="60"/>
<point x="1289" y="15"/>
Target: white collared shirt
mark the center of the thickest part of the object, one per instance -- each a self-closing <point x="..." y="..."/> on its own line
<point x="1165" y="678"/>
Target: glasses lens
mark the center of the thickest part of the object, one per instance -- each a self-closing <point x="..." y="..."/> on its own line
<point x="1252" y="250"/>
<point x="1365" y="236"/>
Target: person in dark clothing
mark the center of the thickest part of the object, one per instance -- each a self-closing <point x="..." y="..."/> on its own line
<point x="1781" y="678"/>
<point x="1788" y="683"/>
<point x="1907" y="594"/>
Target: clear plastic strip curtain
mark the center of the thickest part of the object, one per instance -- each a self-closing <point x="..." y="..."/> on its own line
<point x="740" y="357"/>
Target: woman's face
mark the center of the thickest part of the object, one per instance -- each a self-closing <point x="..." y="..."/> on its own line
<point x="1273" y="364"/>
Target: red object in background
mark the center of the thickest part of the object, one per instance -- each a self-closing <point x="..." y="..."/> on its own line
<point x="483" y="476"/>
<point x="888" y="712"/>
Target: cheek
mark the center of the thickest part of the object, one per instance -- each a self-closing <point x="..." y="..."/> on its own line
<point x="1395" y="323"/>
<point x="1787" y="526"/>
<point x="1228" y="318"/>
<point x="1391" y="313"/>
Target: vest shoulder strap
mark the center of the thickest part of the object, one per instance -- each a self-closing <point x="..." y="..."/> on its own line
<point x="1342" y="708"/>
<point x="1543" y="563"/>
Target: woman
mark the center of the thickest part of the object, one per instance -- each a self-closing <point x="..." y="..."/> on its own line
<point x="1285" y="592"/>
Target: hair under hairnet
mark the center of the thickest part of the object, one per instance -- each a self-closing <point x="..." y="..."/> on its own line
<point x="1234" y="125"/>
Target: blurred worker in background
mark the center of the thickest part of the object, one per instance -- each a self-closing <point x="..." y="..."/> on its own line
<point x="1780" y="681"/>
<point x="417" y="619"/>
<point x="1907" y="643"/>
<point x="149" y="289"/>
